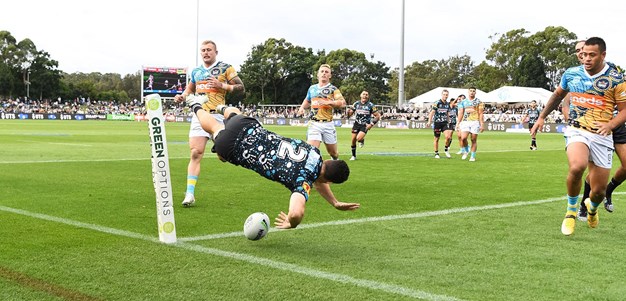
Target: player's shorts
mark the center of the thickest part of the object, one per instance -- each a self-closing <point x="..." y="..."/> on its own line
<point x="450" y="127"/>
<point x="196" y="130"/>
<point x="619" y="134"/>
<point x="359" y="127"/>
<point x="224" y="144"/>
<point x="530" y="125"/>
<point x="439" y="127"/>
<point x="322" y="131"/>
<point x="600" y="147"/>
<point x="470" y="126"/>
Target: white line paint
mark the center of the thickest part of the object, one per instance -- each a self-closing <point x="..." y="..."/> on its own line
<point x="90" y="160"/>
<point x="384" y="218"/>
<point x="287" y="267"/>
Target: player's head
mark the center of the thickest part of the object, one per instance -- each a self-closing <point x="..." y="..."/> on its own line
<point x="578" y="49"/>
<point x="336" y="171"/>
<point x="208" y="51"/>
<point x="472" y="92"/>
<point x="365" y="96"/>
<point x="593" y="54"/>
<point x="533" y="104"/>
<point x="444" y="94"/>
<point x="324" y="73"/>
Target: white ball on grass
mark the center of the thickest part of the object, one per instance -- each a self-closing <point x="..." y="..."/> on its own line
<point x="256" y="226"/>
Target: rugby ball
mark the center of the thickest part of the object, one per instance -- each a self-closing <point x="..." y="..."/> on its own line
<point x="256" y="226"/>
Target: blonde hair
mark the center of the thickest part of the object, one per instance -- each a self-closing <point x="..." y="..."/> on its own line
<point x="325" y="66"/>
<point x="209" y="42"/>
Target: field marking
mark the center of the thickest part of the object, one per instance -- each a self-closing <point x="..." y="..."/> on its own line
<point x="399" y="154"/>
<point x="94" y="160"/>
<point x="386" y="218"/>
<point x="287" y="267"/>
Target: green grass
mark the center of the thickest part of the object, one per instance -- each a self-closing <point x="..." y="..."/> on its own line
<point x="78" y="222"/>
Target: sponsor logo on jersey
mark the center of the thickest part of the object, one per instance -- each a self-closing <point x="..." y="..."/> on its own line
<point x="306" y="188"/>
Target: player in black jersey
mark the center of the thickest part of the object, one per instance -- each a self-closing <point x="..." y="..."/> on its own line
<point x="532" y="114"/>
<point x="363" y="121"/>
<point x="439" y="114"/>
<point x="242" y="141"/>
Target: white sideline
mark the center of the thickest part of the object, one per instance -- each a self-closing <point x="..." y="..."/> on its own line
<point x="384" y="218"/>
<point x="288" y="267"/>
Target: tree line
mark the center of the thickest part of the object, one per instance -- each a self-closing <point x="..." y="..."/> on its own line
<point x="279" y="72"/>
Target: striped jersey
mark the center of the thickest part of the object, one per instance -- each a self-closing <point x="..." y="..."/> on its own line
<point x="217" y="96"/>
<point x="593" y="97"/>
<point x="317" y="93"/>
<point x="471" y="109"/>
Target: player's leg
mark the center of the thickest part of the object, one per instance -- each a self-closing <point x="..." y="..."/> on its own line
<point x="361" y="136"/>
<point x="582" y="210"/>
<point x="197" y="145"/>
<point x="329" y="137"/>
<point x="533" y="138"/>
<point x="618" y="178"/>
<point x="598" y="177"/>
<point x="578" y="159"/>
<point x="459" y="138"/>
<point x="314" y="134"/>
<point x="355" y="131"/>
<point x="437" y="133"/>
<point x="448" y="135"/>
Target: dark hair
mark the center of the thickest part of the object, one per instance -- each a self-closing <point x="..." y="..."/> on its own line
<point x="336" y="171"/>
<point x="596" y="41"/>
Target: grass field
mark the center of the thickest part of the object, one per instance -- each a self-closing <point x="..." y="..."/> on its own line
<point x="78" y="222"/>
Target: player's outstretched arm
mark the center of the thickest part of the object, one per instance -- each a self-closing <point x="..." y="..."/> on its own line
<point x="296" y="212"/>
<point x="327" y="194"/>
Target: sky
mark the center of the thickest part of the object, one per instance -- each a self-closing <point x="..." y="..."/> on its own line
<point x="116" y="36"/>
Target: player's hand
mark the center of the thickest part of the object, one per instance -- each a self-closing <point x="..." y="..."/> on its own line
<point x="368" y="126"/>
<point x="282" y="221"/>
<point x="213" y="82"/>
<point x="347" y="206"/>
<point x="537" y="127"/>
<point x="603" y="128"/>
<point x="300" y="112"/>
<point x="179" y="98"/>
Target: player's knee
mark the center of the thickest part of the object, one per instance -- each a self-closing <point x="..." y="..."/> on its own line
<point x="197" y="154"/>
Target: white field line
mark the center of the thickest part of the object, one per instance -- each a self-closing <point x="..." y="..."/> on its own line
<point x="90" y="160"/>
<point x="425" y="154"/>
<point x="384" y="218"/>
<point x="57" y="143"/>
<point x="287" y="267"/>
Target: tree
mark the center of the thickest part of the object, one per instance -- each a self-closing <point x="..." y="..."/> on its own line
<point x="553" y="47"/>
<point x="352" y="73"/>
<point x="454" y="72"/>
<point x="531" y="73"/>
<point x="278" y="67"/>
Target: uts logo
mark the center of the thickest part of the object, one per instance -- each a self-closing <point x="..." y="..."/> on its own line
<point x="215" y="71"/>
<point x="325" y="92"/>
<point x="602" y="83"/>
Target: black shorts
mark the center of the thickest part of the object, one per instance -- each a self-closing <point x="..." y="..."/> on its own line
<point x="450" y="127"/>
<point x="359" y="127"/>
<point x="234" y="126"/>
<point x="439" y="127"/>
<point x="530" y="125"/>
<point x="619" y="134"/>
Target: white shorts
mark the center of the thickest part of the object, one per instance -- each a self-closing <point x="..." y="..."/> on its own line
<point x="322" y="131"/>
<point x="196" y="130"/>
<point x="600" y="147"/>
<point x="470" y="126"/>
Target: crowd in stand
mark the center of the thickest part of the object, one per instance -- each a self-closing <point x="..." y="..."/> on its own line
<point x="500" y="113"/>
